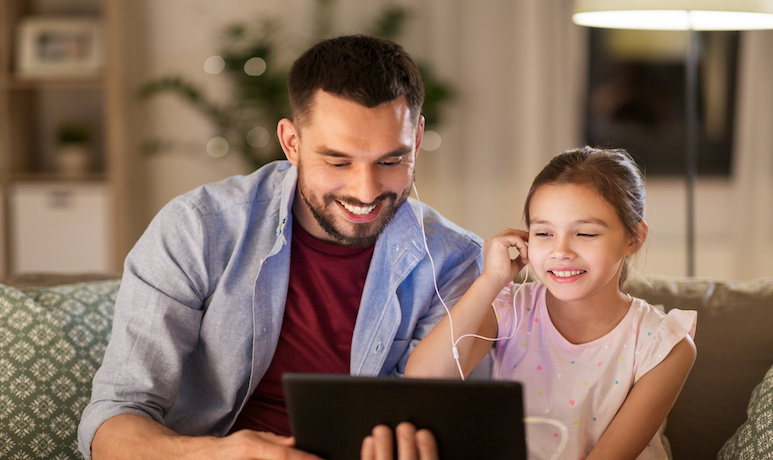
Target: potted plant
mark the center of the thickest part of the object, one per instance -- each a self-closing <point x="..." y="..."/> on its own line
<point x="73" y="153"/>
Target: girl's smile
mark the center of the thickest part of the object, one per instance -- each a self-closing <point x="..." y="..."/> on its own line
<point x="564" y="275"/>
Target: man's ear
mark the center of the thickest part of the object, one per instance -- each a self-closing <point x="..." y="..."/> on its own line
<point x="419" y="134"/>
<point x="637" y="241"/>
<point x="288" y="139"/>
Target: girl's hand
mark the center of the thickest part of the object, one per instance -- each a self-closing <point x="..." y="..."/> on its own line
<point x="472" y="315"/>
<point x="497" y="264"/>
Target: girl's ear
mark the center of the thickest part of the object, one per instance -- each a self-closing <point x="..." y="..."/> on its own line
<point x="638" y="240"/>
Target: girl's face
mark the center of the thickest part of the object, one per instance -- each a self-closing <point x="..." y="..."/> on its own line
<point x="577" y="243"/>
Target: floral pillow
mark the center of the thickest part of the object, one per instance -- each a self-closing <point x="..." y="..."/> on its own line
<point x="754" y="439"/>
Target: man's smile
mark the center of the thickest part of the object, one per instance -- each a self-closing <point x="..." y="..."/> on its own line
<point x="359" y="213"/>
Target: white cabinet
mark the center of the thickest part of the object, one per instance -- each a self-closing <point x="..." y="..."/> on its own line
<point x="61" y="228"/>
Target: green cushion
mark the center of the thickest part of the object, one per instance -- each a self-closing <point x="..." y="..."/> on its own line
<point x="51" y="343"/>
<point x="754" y="439"/>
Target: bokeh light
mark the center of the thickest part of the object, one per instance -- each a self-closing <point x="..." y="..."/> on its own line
<point x="214" y="65"/>
<point x="258" y="137"/>
<point x="217" y="147"/>
<point x="431" y="141"/>
<point x="255" y="66"/>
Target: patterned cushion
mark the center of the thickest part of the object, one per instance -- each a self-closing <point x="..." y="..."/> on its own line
<point x="754" y="439"/>
<point x="51" y="343"/>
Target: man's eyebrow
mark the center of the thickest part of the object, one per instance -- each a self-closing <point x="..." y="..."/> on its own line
<point x="404" y="150"/>
<point x="332" y="153"/>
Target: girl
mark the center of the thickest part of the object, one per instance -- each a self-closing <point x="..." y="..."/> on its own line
<point x="607" y="366"/>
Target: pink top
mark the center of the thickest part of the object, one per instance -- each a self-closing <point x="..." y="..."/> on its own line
<point x="584" y="385"/>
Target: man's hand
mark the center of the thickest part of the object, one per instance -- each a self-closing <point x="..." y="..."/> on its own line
<point x="411" y="444"/>
<point x="253" y="445"/>
<point x="130" y="436"/>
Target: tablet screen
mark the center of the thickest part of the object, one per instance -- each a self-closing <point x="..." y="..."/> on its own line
<point x="330" y="415"/>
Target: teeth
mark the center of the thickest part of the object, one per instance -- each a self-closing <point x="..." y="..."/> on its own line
<point x="358" y="210"/>
<point x="567" y="273"/>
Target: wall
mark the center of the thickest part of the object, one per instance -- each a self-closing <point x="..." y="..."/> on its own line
<point x="518" y="68"/>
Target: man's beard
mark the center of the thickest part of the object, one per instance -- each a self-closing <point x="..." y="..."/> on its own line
<point x="366" y="233"/>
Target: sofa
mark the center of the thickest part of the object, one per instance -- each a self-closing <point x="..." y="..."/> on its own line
<point x="52" y="339"/>
<point x="735" y="351"/>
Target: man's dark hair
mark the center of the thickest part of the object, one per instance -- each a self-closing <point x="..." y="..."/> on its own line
<point x="366" y="70"/>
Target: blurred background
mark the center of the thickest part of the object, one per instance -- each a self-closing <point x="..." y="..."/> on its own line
<point x="515" y="82"/>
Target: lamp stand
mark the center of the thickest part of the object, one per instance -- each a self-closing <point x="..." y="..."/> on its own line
<point x="691" y="118"/>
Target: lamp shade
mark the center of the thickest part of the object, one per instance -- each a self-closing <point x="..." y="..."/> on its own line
<point x="675" y="14"/>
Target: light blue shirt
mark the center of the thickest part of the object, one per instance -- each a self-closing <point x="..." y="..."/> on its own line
<point x="202" y="298"/>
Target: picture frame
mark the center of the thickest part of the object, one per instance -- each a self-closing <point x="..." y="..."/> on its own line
<point x="59" y="47"/>
<point x="636" y="98"/>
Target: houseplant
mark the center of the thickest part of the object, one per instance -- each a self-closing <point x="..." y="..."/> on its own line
<point x="73" y="152"/>
<point x="257" y="82"/>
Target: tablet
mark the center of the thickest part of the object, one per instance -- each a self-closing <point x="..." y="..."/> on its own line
<point x="331" y="414"/>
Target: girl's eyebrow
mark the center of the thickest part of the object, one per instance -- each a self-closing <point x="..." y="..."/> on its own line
<point x="592" y="222"/>
<point x="577" y="222"/>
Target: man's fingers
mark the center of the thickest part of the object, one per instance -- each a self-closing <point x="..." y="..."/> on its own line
<point x="367" y="450"/>
<point x="275" y="438"/>
<point x="406" y="444"/>
<point x="382" y="443"/>
<point x="411" y="444"/>
<point x="427" y="445"/>
<point x="255" y="445"/>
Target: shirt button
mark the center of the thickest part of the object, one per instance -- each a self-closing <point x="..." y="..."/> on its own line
<point x="379" y="347"/>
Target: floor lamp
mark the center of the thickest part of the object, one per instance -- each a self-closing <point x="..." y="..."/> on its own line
<point x="692" y="16"/>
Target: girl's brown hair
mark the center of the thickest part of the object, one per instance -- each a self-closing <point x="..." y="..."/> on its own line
<point x="612" y="173"/>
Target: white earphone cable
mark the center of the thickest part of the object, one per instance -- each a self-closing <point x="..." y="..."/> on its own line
<point x="561" y="427"/>
<point x="454" y="340"/>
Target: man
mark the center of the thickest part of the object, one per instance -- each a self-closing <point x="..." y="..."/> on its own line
<point x="315" y="264"/>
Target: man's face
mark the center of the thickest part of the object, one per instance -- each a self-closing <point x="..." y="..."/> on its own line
<point x="355" y="166"/>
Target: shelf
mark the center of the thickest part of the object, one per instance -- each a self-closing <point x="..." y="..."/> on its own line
<point x="57" y="178"/>
<point x="50" y="220"/>
<point x="19" y="82"/>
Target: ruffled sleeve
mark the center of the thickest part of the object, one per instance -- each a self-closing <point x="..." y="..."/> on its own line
<point x="503" y="309"/>
<point x="659" y="338"/>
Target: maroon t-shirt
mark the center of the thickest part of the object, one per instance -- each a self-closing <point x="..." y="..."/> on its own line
<point x="326" y="283"/>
